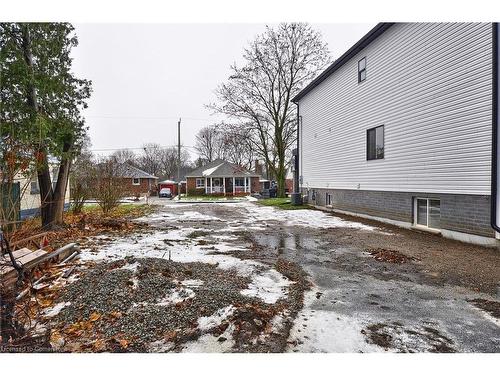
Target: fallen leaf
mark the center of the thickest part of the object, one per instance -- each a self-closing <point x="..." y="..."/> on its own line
<point x="56" y="340"/>
<point x="116" y="314"/>
<point x="45" y="302"/>
<point x="94" y="316"/>
<point x="124" y="343"/>
<point x="99" y="345"/>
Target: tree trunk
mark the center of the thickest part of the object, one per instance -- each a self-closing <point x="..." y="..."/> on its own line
<point x="45" y="187"/>
<point x="59" y="193"/>
<point x="281" y="179"/>
<point x="42" y="165"/>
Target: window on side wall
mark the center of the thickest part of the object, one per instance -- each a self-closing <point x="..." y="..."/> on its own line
<point x="362" y="70"/>
<point x="375" y="143"/>
<point x="34" y="189"/>
<point x="427" y="212"/>
<point x="200" y="182"/>
<point x="136" y="181"/>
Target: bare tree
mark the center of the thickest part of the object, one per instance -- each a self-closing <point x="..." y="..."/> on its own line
<point x="278" y="63"/>
<point x="238" y="145"/>
<point x="150" y="160"/>
<point x="107" y="184"/>
<point x="124" y="156"/>
<point x="161" y="161"/>
<point x="210" y="143"/>
<point x="81" y="180"/>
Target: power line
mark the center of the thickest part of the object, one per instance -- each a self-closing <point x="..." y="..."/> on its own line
<point x="149" y="118"/>
<point x="137" y="148"/>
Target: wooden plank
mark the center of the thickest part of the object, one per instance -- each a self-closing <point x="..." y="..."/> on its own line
<point x="63" y="252"/>
<point x="31" y="258"/>
<point x="20" y="253"/>
<point x="27" y="239"/>
<point x="16" y="254"/>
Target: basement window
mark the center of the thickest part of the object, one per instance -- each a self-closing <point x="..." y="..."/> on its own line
<point x="427" y="213"/>
<point x="328" y="200"/>
<point x="375" y="143"/>
<point x="136" y="181"/>
<point x="362" y="70"/>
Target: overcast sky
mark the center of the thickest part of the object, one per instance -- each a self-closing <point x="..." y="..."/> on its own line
<point x="146" y="76"/>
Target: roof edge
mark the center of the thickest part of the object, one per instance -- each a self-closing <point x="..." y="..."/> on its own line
<point x="360" y="44"/>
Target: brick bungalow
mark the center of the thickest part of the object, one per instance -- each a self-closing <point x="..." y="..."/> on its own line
<point x="136" y="181"/>
<point x="222" y="178"/>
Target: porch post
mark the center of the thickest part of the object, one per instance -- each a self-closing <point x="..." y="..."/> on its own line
<point x="233" y="186"/>
<point x="206" y="185"/>
<point x="211" y="185"/>
<point x="245" y="184"/>
<point x="224" y="185"/>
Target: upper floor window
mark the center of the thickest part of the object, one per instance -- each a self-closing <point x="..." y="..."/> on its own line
<point x="136" y="181"/>
<point x="375" y="143"/>
<point x="362" y="70"/>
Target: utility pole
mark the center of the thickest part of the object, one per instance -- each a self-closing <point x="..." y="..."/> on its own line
<point x="179" y="159"/>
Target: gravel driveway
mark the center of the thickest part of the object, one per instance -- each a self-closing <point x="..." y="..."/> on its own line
<point x="242" y="277"/>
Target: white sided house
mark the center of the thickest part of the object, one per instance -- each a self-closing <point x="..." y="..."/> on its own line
<point x="30" y="193"/>
<point x="399" y="129"/>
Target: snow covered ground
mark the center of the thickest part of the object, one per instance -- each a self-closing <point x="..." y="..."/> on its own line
<point x="346" y="311"/>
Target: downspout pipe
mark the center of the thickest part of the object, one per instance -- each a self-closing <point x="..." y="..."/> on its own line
<point x="494" y="219"/>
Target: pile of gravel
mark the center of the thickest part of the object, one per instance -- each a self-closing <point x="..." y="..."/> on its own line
<point x="127" y="295"/>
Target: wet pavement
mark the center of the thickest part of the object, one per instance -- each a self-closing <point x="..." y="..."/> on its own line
<point x="241" y="277"/>
<point x="357" y="303"/>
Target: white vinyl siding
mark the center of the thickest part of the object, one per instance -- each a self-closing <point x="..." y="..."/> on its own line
<point x="430" y="85"/>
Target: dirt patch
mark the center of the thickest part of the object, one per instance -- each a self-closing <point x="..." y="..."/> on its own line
<point x="492" y="307"/>
<point x="390" y="256"/>
<point x="396" y="336"/>
<point x="378" y="337"/>
<point x="198" y="233"/>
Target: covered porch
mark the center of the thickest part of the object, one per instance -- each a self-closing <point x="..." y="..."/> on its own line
<point x="227" y="185"/>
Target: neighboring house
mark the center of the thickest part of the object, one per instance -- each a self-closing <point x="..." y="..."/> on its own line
<point x="222" y="177"/>
<point x="399" y="129"/>
<point x="136" y="181"/>
<point x="170" y="184"/>
<point x="30" y="193"/>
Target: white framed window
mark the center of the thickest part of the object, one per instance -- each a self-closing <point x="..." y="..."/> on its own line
<point x="427" y="212"/>
<point x="200" y="183"/>
<point x="362" y="70"/>
<point x="136" y="181"/>
<point x="375" y="143"/>
<point x="239" y="181"/>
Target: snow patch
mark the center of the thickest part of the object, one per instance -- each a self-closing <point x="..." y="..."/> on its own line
<point x="269" y="286"/>
<point x="210" y="344"/>
<point x="130" y="267"/>
<point x="177" y="296"/>
<point x="160" y="346"/>
<point x="305" y="218"/>
<point x="327" y="331"/>
<point x="206" y="323"/>
<point x="56" y="309"/>
<point x="192" y="283"/>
